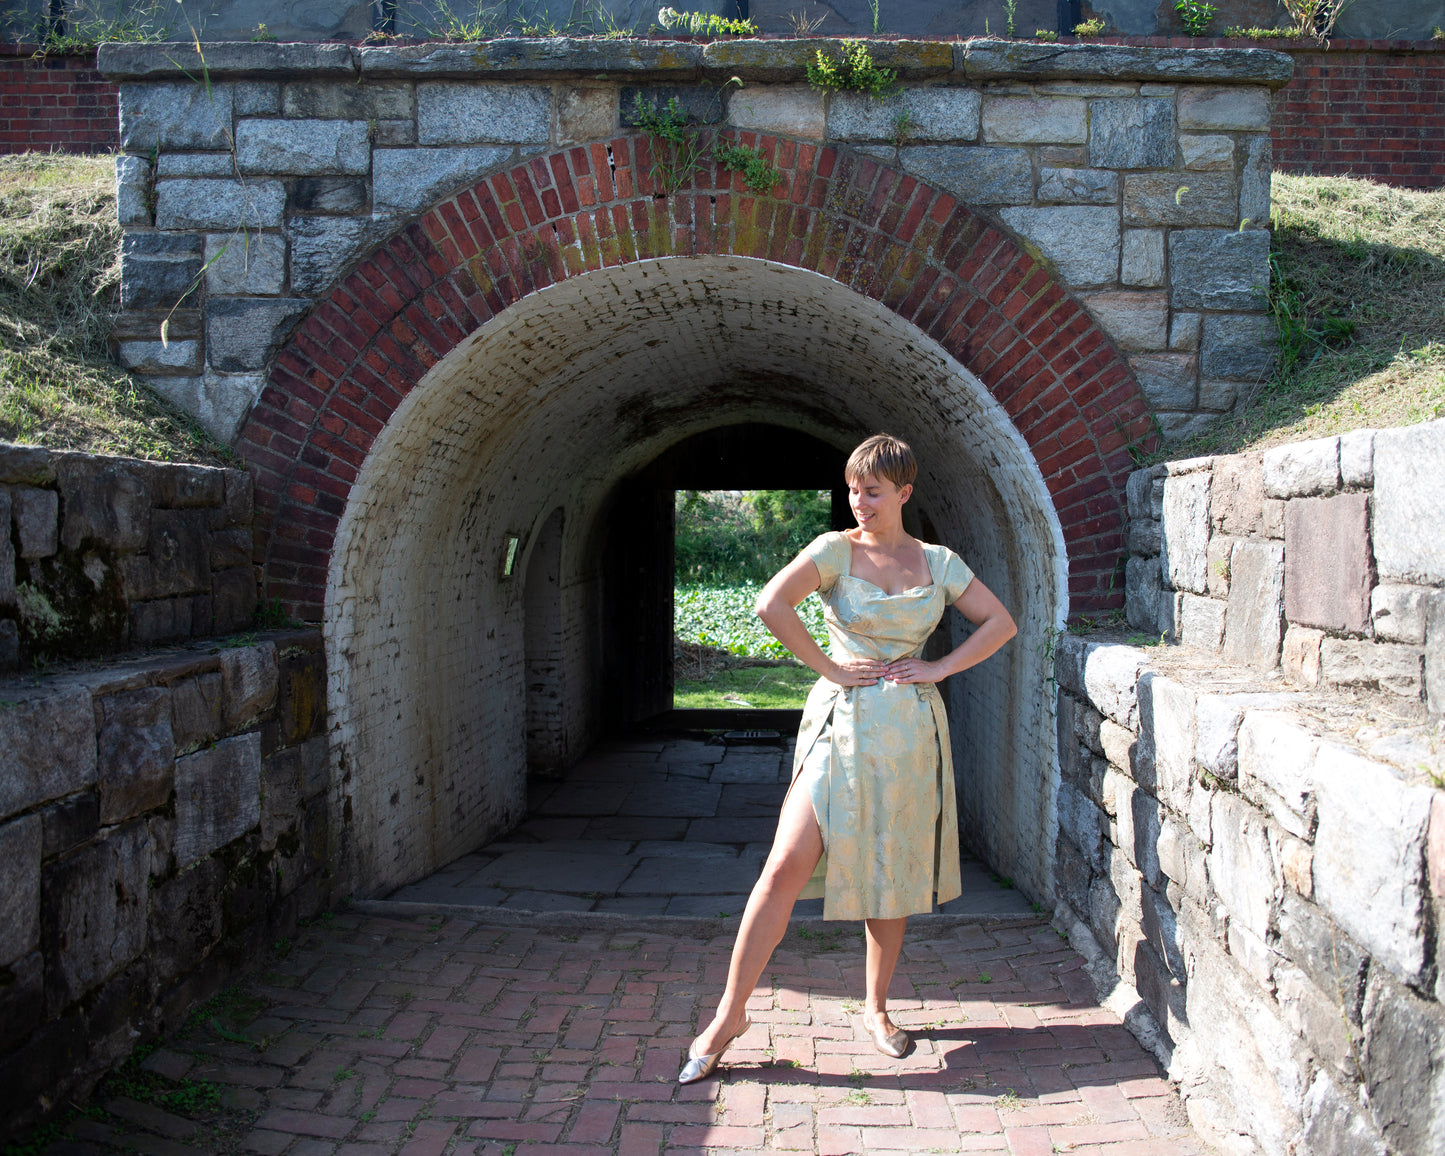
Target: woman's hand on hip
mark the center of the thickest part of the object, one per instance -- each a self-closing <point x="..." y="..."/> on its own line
<point x="856" y="672"/>
<point x="911" y="670"/>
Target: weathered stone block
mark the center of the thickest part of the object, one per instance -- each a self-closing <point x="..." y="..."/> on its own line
<point x="1435" y="657"/>
<point x="1404" y="1066"/>
<point x="195" y="165"/>
<point x="1082" y="241"/>
<point x="1334" y="1125"/>
<point x="1167" y="379"/>
<point x="1110" y="675"/>
<point x="93" y="913"/>
<point x="1164" y="762"/>
<point x="1316" y="1016"/>
<point x="249" y="679"/>
<point x="1141" y="261"/>
<point x="1378" y="897"/>
<point x="976" y="176"/>
<point x="1218" y="396"/>
<point x="1206" y="199"/>
<point x="1138" y="492"/>
<point x="585" y="114"/>
<point x="1217" y="719"/>
<point x="22" y="1001"/>
<point x="242" y="333"/>
<point x="1200" y="622"/>
<point x="160" y="357"/>
<point x="1300" y="657"/>
<point x="301" y="694"/>
<point x="1387" y="666"/>
<point x="407" y="180"/>
<point x="1237" y="496"/>
<point x="48" y="748"/>
<point x="321" y="247"/>
<point x="1080" y="820"/>
<point x="934" y="114"/>
<point x="156" y="271"/>
<point x="1328" y="565"/>
<point x="1276" y="757"/>
<point x="330" y="100"/>
<point x="1184" y="332"/>
<point x="180" y="554"/>
<point x="1357" y="458"/>
<point x="450" y="113"/>
<point x="218" y="401"/>
<point x="1026" y="120"/>
<point x="1313" y="942"/>
<point x="253" y="264"/>
<point x="1143" y="593"/>
<point x="1207" y="153"/>
<point x="136" y="752"/>
<point x="37" y="521"/>
<point x="1185" y="541"/>
<point x="233" y="598"/>
<point x="302" y="147"/>
<point x="1221" y="550"/>
<point x="1144" y="540"/>
<point x="796" y="112"/>
<point x="179" y="115"/>
<point x="1241" y="868"/>
<point x="325" y="195"/>
<point x="1131" y="134"/>
<point x="196" y="714"/>
<point x="1254" y="619"/>
<point x="20" y="850"/>
<point x="1218" y="269"/>
<point x="1254" y="183"/>
<point x="132" y="190"/>
<point x="217" y="796"/>
<point x="1398" y="612"/>
<point x="1135" y="320"/>
<point x="1302" y="469"/>
<point x="1238" y="347"/>
<point x="217" y="204"/>
<point x="1409" y="526"/>
<point x="1077" y="186"/>
<point x="1231" y="109"/>
<point x="186" y="919"/>
<point x="69" y="823"/>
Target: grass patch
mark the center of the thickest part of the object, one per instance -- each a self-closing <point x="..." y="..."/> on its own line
<point x="772" y="687"/>
<point x="59" y="275"/>
<point x="1359" y="296"/>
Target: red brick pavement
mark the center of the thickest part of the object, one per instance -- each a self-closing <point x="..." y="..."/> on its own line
<point x="432" y="1037"/>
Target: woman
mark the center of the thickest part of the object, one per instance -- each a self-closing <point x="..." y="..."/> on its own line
<point x="870" y="822"/>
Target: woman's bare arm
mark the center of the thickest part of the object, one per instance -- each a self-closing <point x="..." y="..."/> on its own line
<point x="995" y="627"/>
<point x="777" y="607"/>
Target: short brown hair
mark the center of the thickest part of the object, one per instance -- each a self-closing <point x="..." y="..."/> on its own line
<point x="883" y="456"/>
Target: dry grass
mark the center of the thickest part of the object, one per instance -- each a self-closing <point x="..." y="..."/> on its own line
<point x="59" y="273"/>
<point x="1360" y="296"/>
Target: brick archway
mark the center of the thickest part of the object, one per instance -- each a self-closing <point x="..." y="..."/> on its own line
<point x="933" y="262"/>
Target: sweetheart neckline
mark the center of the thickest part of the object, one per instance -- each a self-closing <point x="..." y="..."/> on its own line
<point x="908" y="590"/>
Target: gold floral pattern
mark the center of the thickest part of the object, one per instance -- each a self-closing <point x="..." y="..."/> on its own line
<point x="875" y="760"/>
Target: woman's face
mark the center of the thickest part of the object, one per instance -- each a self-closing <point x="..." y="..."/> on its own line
<point x="876" y="502"/>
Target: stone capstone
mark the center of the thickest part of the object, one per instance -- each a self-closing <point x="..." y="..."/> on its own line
<point x="1110" y="675"/>
<point x="1357" y="458"/>
<point x="217" y="796"/>
<point x="1167" y="737"/>
<point x="1302" y="469"/>
<point x="1254" y="618"/>
<point x="1380" y="898"/>
<point x="1131" y="134"/>
<point x="1218" y="269"/>
<point x="934" y="114"/>
<point x="302" y="147"/>
<point x="93" y="918"/>
<point x="242" y="333"/>
<point x="136" y="752"/>
<point x="408" y="180"/>
<point x="1184" y="549"/>
<point x="976" y="176"/>
<point x="450" y="113"/>
<point x="1328" y="565"/>
<point x="1409" y="528"/>
<point x="1276" y="760"/>
<point x="157" y="270"/>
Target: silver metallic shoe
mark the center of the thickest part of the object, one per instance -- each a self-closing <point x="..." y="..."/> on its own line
<point x="893" y="1045"/>
<point x="701" y="1067"/>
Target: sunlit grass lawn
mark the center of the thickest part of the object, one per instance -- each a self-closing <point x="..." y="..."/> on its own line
<point x="758" y="687"/>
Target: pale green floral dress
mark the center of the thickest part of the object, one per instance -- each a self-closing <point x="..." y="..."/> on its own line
<point x="875" y="760"/>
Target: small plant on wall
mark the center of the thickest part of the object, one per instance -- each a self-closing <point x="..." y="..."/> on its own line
<point x="852" y="70"/>
<point x="1196" y="16"/>
<point x="1087" y="28"/>
<point x="758" y="173"/>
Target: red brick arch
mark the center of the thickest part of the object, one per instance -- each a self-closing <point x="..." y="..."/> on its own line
<point x="956" y="276"/>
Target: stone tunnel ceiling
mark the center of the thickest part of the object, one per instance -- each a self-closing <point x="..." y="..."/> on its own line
<point x="548" y="407"/>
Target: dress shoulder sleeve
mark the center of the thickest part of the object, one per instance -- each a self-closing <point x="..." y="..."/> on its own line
<point x="829" y="553"/>
<point x="956" y="576"/>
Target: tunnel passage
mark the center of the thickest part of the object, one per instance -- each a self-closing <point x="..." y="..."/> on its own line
<point x="494" y="381"/>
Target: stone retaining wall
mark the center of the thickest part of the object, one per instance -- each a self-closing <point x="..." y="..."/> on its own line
<point x="101" y="553"/>
<point x="162" y="821"/>
<point x="1325" y="559"/>
<point x="1128" y="171"/>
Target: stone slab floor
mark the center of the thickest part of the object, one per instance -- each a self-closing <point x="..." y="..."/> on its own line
<point x="435" y="1035"/>
<point x="669" y="825"/>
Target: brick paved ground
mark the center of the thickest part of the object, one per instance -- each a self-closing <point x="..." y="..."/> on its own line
<point x="432" y="1035"/>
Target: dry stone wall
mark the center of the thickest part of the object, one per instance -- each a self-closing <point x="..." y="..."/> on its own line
<point x="1251" y="840"/>
<point x="101" y="553"/>
<point x="1323" y="559"/>
<point x="162" y="821"/>
<point x="1140" y="176"/>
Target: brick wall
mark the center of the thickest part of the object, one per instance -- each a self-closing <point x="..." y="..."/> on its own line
<point x="1371" y="108"/>
<point x="56" y="103"/>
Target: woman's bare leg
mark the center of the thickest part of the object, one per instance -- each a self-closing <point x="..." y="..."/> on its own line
<point x="885" y="941"/>
<point x="796" y="849"/>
